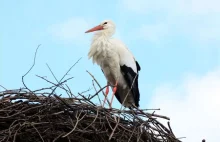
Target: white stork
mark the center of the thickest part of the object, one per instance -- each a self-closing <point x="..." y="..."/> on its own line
<point x="117" y="63"/>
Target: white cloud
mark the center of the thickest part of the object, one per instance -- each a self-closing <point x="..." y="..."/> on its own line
<point x="197" y="20"/>
<point x="196" y="32"/>
<point x="193" y="106"/>
<point x="180" y="6"/>
<point x="136" y="6"/>
<point x="204" y="6"/>
<point x="72" y="29"/>
<point x="145" y="6"/>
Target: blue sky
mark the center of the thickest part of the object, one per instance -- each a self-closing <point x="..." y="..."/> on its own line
<point x="173" y="41"/>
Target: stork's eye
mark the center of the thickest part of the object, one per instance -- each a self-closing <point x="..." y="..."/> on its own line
<point x="105" y="23"/>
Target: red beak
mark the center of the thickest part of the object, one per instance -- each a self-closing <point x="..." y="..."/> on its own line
<point x="97" y="28"/>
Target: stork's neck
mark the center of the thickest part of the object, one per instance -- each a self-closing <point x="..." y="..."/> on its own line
<point x="101" y="39"/>
<point x="102" y="36"/>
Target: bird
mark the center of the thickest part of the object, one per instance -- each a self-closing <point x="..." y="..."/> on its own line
<point x="118" y="64"/>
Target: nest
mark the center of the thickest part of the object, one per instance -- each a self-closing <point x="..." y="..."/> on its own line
<point x="42" y="115"/>
<point x="29" y="116"/>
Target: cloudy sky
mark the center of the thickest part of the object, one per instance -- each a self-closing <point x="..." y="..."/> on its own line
<point x="175" y="42"/>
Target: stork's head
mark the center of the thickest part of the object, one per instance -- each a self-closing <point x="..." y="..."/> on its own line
<point x="107" y="27"/>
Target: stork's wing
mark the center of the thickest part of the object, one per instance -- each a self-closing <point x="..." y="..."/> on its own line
<point x="129" y="68"/>
<point x="132" y="80"/>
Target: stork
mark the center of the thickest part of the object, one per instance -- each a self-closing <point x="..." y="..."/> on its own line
<point x="117" y="63"/>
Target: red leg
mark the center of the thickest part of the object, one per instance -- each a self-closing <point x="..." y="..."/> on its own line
<point x="107" y="90"/>
<point x="106" y="94"/>
<point x="114" y="91"/>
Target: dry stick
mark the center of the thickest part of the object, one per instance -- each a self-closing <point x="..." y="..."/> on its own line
<point x="139" y="137"/>
<point x="52" y="73"/>
<point x="114" y="129"/>
<point x="129" y="111"/>
<point x="93" y="120"/>
<point x="96" y="91"/>
<point x="30" y="68"/>
<point x="18" y="130"/>
<point x="70" y="68"/>
<point x="70" y="92"/>
<point x="161" y="125"/>
<point x="168" y="123"/>
<point x="78" y="120"/>
<point x="65" y="74"/>
<point x="98" y="85"/>
<point x="38" y="133"/>
<point x="85" y="91"/>
<point x="3" y="87"/>
<point x="58" y="137"/>
<point x="46" y="88"/>
<point x="131" y="135"/>
<point x="9" y="129"/>
<point x="156" y="115"/>
<point x="88" y="100"/>
<point x="3" y="139"/>
<point x="181" y="138"/>
<point x="55" y="85"/>
<point x="109" y="123"/>
<point x="52" y="82"/>
<point x="159" y="128"/>
<point x="15" y="135"/>
<point x="63" y="101"/>
<point x="20" y="112"/>
<point x="57" y="80"/>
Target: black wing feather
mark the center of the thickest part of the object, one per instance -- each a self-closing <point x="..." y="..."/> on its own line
<point x="118" y="97"/>
<point x="138" y="66"/>
<point x="129" y="76"/>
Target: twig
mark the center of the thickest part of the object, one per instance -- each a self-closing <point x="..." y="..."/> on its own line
<point x="96" y="92"/>
<point x="38" y="133"/>
<point x="65" y="75"/>
<point x="77" y="121"/>
<point x="55" y="85"/>
<point x="52" y="73"/>
<point x="30" y="68"/>
<point x="3" y="87"/>
<point x="98" y="85"/>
